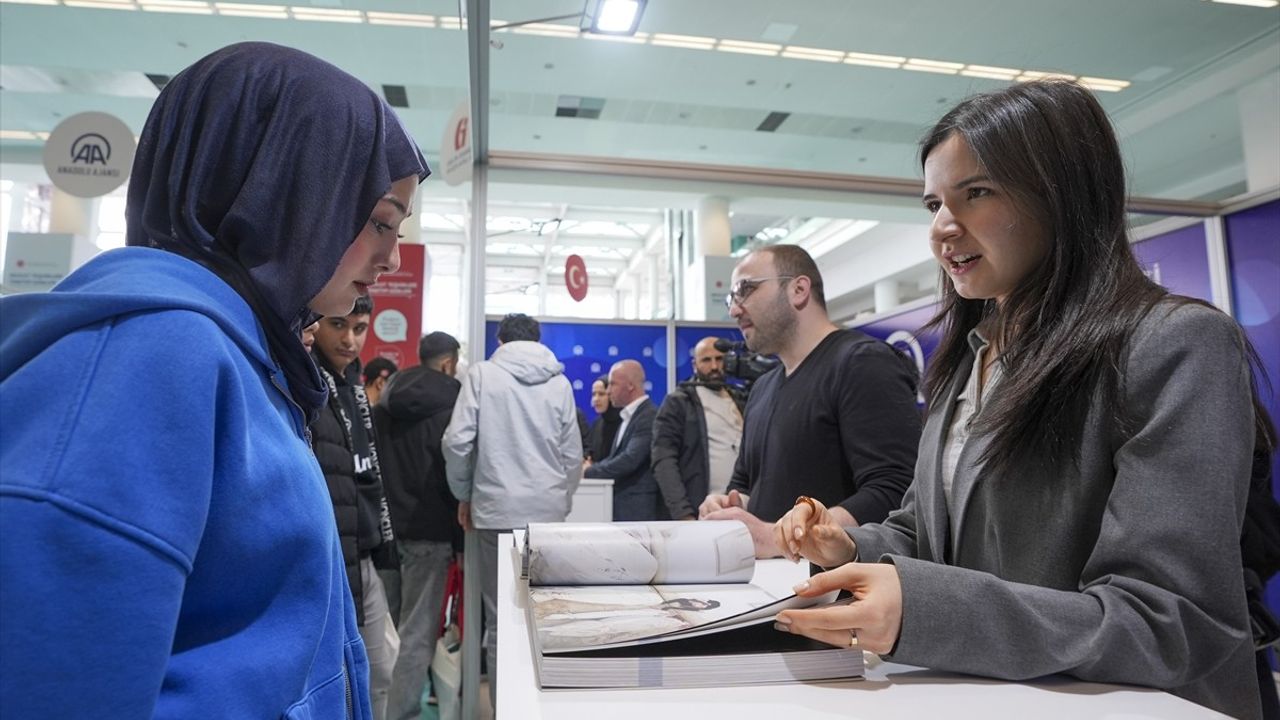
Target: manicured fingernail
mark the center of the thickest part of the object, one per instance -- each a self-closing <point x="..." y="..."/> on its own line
<point x="801" y="587"/>
<point x="782" y="624"/>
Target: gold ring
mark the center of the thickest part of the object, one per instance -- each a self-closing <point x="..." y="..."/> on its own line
<point x="813" y="507"/>
<point x="853" y="639"/>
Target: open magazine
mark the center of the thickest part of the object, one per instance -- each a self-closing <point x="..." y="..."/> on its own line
<point x="662" y="604"/>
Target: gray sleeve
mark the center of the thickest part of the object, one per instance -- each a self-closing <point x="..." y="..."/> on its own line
<point x="458" y="445"/>
<point x="1160" y="599"/>
<point x="895" y="536"/>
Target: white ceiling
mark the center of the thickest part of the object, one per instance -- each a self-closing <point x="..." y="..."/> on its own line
<point x="1179" y="120"/>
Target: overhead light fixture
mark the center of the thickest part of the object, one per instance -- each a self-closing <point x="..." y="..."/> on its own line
<point x="1104" y="84"/>
<point x="991" y="72"/>
<point x="817" y="54"/>
<point x="933" y="66"/>
<point x="748" y="48"/>
<point x="402" y="19"/>
<point x="617" y="17"/>
<point x="253" y="10"/>
<point x="691" y="42"/>
<point x="1038" y="75"/>
<point x="101" y="4"/>
<point x="326" y="14"/>
<point x="189" y="7"/>
<point x="1251" y="3"/>
<point x="873" y="60"/>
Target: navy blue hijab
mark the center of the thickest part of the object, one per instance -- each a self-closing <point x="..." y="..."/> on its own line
<point x="263" y="163"/>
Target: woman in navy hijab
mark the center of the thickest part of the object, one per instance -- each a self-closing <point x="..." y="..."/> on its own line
<point x="168" y="547"/>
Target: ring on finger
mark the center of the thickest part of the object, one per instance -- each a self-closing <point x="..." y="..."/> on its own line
<point x="853" y="639"/>
<point x="805" y="499"/>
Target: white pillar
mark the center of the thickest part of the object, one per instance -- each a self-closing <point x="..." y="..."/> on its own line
<point x="712" y="233"/>
<point x="1259" y="104"/>
<point x="73" y="215"/>
<point x="651" y="274"/>
<point x="886" y="295"/>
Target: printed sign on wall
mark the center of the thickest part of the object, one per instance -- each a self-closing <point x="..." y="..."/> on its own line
<point x="397" y="311"/>
<point x="89" y="154"/>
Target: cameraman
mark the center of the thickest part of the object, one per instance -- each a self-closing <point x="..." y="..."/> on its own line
<point x="697" y="434"/>
<point x="838" y="421"/>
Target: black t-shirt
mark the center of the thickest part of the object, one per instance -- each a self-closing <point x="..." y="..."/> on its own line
<point x="843" y="428"/>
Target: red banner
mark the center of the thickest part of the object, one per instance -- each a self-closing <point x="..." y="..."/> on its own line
<point x="397" y="310"/>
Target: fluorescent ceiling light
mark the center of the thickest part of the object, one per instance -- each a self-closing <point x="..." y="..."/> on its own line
<point x="1251" y="3"/>
<point x="31" y="2"/>
<point x="873" y="60"/>
<point x="637" y="39"/>
<point x="1038" y="75"/>
<point x="276" y="12"/>
<point x="100" y="4"/>
<point x="547" y="29"/>
<point x="617" y="17"/>
<point x="403" y="19"/>
<point x="17" y="135"/>
<point x="326" y="14"/>
<point x="748" y="48"/>
<point x="817" y="54"/>
<point x="189" y="7"/>
<point x="1103" y="84"/>
<point x="933" y="66"/>
<point x="989" y="71"/>
<point x="692" y="42"/>
<point x="837" y="234"/>
<point x="451" y="23"/>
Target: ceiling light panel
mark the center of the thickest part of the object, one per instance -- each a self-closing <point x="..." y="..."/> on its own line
<point x="326" y="14"/>
<point x="795" y="52"/>
<point x="253" y="10"/>
<point x="748" y="48"/>
<point x="691" y="42"/>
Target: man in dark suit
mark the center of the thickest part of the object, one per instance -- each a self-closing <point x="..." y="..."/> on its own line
<point x="635" y="493"/>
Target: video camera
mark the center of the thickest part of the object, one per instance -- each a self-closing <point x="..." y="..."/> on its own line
<point x="741" y="363"/>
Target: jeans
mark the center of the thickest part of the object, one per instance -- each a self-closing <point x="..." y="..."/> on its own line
<point x="424" y="565"/>
<point x="380" y="639"/>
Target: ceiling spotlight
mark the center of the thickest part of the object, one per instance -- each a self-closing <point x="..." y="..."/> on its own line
<point x="617" y="17"/>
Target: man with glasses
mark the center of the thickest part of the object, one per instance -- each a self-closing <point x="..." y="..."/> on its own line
<point x="837" y="420"/>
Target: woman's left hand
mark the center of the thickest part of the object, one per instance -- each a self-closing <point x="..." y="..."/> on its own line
<point x="875" y="613"/>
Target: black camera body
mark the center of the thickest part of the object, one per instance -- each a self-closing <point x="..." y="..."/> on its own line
<point x="741" y="363"/>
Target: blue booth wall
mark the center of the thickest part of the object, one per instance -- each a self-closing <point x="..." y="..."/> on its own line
<point x="588" y="349"/>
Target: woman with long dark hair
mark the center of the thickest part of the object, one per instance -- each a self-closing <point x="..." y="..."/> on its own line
<point x="169" y="547"/>
<point x="1081" y="480"/>
<point x="605" y="429"/>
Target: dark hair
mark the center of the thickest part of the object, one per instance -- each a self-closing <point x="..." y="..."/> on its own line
<point x="378" y="367"/>
<point x="602" y="379"/>
<point x="518" y="326"/>
<point x="795" y="261"/>
<point x="363" y="306"/>
<point x="437" y="344"/>
<point x="1063" y="330"/>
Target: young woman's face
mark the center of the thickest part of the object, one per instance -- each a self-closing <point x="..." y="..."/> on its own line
<point x="978" y="236"/>
<point x="373" y="253"/>
<point x="599" y="397"/>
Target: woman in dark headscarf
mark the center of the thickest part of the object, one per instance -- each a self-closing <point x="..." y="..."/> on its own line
<point x="169" y="546"/>
<point x="605" y="429"/>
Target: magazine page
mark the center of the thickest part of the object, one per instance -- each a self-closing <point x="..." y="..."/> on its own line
<point x="577" y="617"/>
<point x="642" y="553"/>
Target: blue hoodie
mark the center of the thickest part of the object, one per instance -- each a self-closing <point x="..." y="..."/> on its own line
<point x="169" y="547"/>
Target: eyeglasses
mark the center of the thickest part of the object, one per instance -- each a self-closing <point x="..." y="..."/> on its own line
<point x="742" y="289"/>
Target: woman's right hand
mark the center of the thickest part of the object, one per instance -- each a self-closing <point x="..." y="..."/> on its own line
<point x="808" y="530"/>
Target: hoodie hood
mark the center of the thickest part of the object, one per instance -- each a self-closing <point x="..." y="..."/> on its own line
<point x="532" y="363"/>
<point x="121" y="282"/>
<point x="418" y="393"/>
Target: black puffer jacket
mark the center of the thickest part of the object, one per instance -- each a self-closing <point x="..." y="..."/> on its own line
<point x="410" y="418"/>
<point x="681" y="464"/>
<point x="356" y="497"/>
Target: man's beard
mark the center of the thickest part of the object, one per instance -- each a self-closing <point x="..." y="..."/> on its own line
<point x="775" y="327"/>
<point x="715" y="376"/>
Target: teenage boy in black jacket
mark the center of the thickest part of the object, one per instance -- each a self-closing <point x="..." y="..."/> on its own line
<point x="410" y="417"/>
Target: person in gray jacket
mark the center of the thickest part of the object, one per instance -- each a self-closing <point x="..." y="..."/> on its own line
<point x="512" y="451"/>
<point x="1082" y="474"/>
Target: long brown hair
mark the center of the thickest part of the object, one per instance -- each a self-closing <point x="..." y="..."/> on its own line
<point x="1064" y="330"/>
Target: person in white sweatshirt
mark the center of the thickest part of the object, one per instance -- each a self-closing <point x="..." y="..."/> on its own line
<point x="513" y="453"/>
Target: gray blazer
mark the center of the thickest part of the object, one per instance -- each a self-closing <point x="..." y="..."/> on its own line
<point x="1123" y="570"/>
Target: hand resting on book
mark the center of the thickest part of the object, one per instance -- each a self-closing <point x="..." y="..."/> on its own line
<point x="874" y="617"/>
<point x="811" y="531"/>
